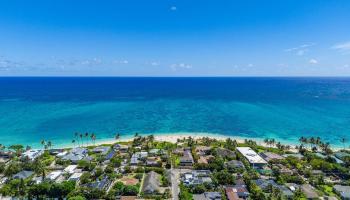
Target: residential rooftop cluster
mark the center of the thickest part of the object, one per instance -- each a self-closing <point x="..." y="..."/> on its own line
<point x="190" y="169"/>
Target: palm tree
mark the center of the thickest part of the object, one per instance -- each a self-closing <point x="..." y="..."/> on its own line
<point x="93" y="138"/>
<point x="312" y="142"/>
<point x="2" y="147"/>
<point x="76" y="135"/>
<point x="273" y="142"/>
<point x="318" y="141"/>
<point x="43" y="143"/>
<point x="326" y="148"/>
<point x="117" y="136"/>
<point x="73" y="141"/>
<point x="267" y="141"/>
<point x="40" y="168"/>
<point x="81" y="138"/>
<point x="343" y="140"/>
<point x="86" y="136"/>
<point x="18" y="148"/>
<point x="49" y="144"/>
<point x="150" y="138"/>
<point x="136" y="135"/>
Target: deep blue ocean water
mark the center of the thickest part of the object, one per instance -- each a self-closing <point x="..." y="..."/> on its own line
<point x="32" y="109"/>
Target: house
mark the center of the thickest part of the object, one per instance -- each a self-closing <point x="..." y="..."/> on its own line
<point x="225" y="153"/>
<point x="269" y="156"/>
<point x="284" y="170"/>
<point x="151" y="183"/>
<point x="341" y="155"/>
<point x="178" y="151"/>
<point x="76" y="154"/>
<point x="234" y="164"/>
<point x="239" y="181"/>
<point x="265" y="184"/>
<point x="155" y="152"/>
<point x="55" y="151"/>
<point x="70" y="169"/>
<point x="6" y="154"/>
<point x="110" y="154"/>
<point x="339" y="161"/>
<point x="186" y="159"/>
<point x="37" y="179"/>
<point x="23" y="174"/>
<point x="54" y="175"/>
<point x="153" y="162"/>
<point x="75" y="177"/>
<point x="32" y="154"/>
<point x="102" y="184"/>
<point x="197" y="177"/>
<point x="203" y="150"/>
<point x="253" y="158"/>
<point x="295" y="155"/>
<point x="103" y="150"/>
<point x="236" y="192"/>
<point x="208" y="196"/>
<point x="121" y="148"/>
<point x="309" y="191"/>
<point x="342" y="191"/>
<point x="231" y="194"/>
<point x="62" y="154"/>
<point x="205" y="159"/>
<point x="137" y="157"/>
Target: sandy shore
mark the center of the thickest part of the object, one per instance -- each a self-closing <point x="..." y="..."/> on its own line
<point x="173" y="137"/>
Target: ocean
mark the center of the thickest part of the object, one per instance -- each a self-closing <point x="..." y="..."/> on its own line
<point x="52" y="108"/>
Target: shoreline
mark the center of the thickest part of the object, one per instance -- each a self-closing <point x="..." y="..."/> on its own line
<point x="173" y="137"/>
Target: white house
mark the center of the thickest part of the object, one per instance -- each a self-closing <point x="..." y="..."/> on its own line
<point x="70" y="169"/>
<point x="32" y="154"/>
<point x="54" y="175"/>
<point x="253" y="158"/>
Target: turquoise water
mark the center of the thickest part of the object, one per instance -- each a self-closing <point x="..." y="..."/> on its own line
<point x="54" y="109"/>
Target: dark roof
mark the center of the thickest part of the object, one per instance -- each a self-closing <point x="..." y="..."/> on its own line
<point x="235" y="163"/>
<point x="23" y="174"/>
<point x="99" y="184"/>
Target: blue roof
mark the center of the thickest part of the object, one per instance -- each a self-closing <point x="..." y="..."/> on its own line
<point x="110" y="155"/>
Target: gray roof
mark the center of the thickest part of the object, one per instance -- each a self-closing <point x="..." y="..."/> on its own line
<point x="343" y="191"/>
<point x="23" y="174"/>
<point x="309" y="191"/>
<point x="263" y="184"/>
<point x="225" y="152"/>
<point x="99" y="184"/>
<point x="341" y="155"/>
<point x="79" y="150"/>
<point x="101" y="149"/>
<point x="235" y="163"/>
<point x="151" y="183"/>
<point x="187" y="157"/>
<point x="208" y="196"/>
<point x="73" y="157"/>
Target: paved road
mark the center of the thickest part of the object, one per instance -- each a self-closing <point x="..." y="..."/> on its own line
<point x="175" y="181"/>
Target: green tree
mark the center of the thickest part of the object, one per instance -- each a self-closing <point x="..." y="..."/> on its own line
<point x="76" y="198"/>
<point x="224" y="177"/>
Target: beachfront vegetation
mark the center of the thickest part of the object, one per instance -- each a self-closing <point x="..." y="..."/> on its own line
<point x="145" y="167"/>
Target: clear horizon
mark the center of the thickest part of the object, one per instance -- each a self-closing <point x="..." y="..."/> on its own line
<point x="175" y="38"/>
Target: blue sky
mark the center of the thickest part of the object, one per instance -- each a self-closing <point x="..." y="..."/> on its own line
<point x="174" y="38"/>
